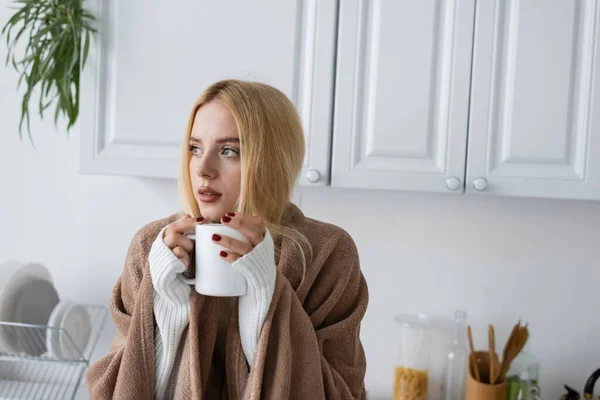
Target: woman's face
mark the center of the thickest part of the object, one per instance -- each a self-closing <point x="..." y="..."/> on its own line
<point x="215" y="167"/>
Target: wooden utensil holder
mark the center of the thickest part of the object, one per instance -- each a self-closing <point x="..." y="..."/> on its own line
<point x="483" y="390"/>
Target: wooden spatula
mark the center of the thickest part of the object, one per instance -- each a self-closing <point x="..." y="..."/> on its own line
<point x="507" y="351"/>
<point x="473" y="357"/>
<point x="514" y="345"/>
<point x="522" y="337"/>
<point x="492" y="343"/>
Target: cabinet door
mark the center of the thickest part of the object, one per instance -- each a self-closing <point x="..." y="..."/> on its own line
<point x="402" y="93"/>
<point x="534" y="123"/>
<point x="151" y="60"/>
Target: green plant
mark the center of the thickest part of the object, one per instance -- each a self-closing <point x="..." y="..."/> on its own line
<point x="53" y="56"/>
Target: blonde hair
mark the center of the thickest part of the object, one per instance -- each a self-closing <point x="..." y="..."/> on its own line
<point x="272" y="154"/>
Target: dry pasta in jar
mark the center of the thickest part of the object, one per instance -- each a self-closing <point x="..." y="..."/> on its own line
<point x="410" y="384"/>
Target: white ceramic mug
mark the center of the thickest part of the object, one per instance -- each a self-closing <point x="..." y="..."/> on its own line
<point x="214" y="275"/>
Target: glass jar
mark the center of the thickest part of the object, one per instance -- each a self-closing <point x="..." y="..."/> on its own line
<point x="411" y="372"/>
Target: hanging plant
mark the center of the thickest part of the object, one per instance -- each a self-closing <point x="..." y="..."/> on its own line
<point x="53" y="56"/>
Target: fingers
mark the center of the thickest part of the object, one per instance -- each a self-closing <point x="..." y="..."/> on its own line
<point x="183" y="256"/>
<point x="174" y="235"/>
<point x="228" y="256"/>
<point x="183" y="225"/>
<point x="173" y="240"/>
<point x="250" y="226"/>
<point x="236" y="246"/>
<point x="245" y="218"/>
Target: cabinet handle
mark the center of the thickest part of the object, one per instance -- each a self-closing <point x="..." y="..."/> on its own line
<point x="480" y="184"/>
<point x="453" y="183"/>
<point x="313" y="176"/>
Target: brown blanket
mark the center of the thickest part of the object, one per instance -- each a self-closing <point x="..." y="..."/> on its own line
<point x="309" y="347"/>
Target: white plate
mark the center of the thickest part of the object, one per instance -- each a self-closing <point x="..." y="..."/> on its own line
<point x="53" y="334"/>
<point x="76" y="322"/>
<point x="37" y="299"/>
<point x="70" y="332"/>
<point x="9" y="295"/>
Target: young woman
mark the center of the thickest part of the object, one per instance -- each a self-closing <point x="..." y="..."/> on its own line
<point x="295" y="333"/>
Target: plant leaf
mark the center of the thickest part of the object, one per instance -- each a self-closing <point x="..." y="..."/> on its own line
<point x="24" y="115"/>
<point x="13" y="20"/>
<point x="86" y="48"/>
<point x="57" y="47"/>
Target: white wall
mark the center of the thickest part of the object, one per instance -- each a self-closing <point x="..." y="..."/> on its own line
<point x="497" y="258"/>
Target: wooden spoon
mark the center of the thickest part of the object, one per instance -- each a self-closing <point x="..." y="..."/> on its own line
<point x="495" y="359"/>
<point x="473" y="357"/>
<point x="492" y="343"/>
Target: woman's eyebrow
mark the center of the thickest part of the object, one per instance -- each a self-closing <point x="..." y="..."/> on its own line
<point x="228" y="139"/>
<point x="219" y="141"/>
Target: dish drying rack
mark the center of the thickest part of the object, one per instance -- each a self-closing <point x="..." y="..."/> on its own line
<point x="46" y="376"/>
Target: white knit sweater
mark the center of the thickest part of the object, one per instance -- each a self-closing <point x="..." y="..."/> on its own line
<point x="172" y="298"/>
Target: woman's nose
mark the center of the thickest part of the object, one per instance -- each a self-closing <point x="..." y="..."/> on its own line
<point x="206" y="167"/>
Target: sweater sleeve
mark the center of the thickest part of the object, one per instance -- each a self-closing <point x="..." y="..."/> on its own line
<point x="171" y="309"/>
<point x="258" y="267"/>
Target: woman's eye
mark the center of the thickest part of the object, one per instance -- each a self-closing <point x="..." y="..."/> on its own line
<point x="194" y="149"/>
<point x="229" y="152"/>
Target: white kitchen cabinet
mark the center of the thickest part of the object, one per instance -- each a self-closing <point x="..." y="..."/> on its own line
<point x="486" y="97"/>
<point x="535" y="102"/>
<point x="402" y="94"/>
<point x="152" y="60"/>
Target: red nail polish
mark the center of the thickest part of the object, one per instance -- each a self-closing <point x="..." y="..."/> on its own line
<point x="199" y="219"/>
<point x="231" y="214"/>
<point x="226" y="219"/>
<point x="216" y="237"/>
<point x="223" y="254"/>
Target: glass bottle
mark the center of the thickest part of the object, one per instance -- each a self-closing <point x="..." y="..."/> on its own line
<point x="525" y="361"/>
<point x="528" y="389"/>
<point x="534" y="373"/>
<point x="455" y="369"/>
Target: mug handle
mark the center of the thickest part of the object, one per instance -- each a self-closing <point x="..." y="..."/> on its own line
<point x="189" y="281"/>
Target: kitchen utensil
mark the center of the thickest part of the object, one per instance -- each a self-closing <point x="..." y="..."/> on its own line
<point x="523" y="335"/>
<point x="77" y="324"/>
<point x="472" y="358"/>
<point x="10" y="290"/>
<point x="495" y="360"/>
<point x="69" y="341"/>
<point x="508" y="349"/>
<point x="588" y="390"/>
<point x="214" y="275"/>
<point x="492" y="344"/>
<point x="54" y="329"/>
<point x="572" y="394"/>
<point x="514" y="345"/>
<point x="479" y="389"/>
<point x="36" y="301"/>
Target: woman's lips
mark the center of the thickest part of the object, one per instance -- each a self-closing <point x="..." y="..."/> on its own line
<point x="208" y="197"/>
<point x="206" y="194"/>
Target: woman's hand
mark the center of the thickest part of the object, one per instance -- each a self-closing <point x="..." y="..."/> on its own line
<point x="251" y="226"/>
<point x="175" y="239"/>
